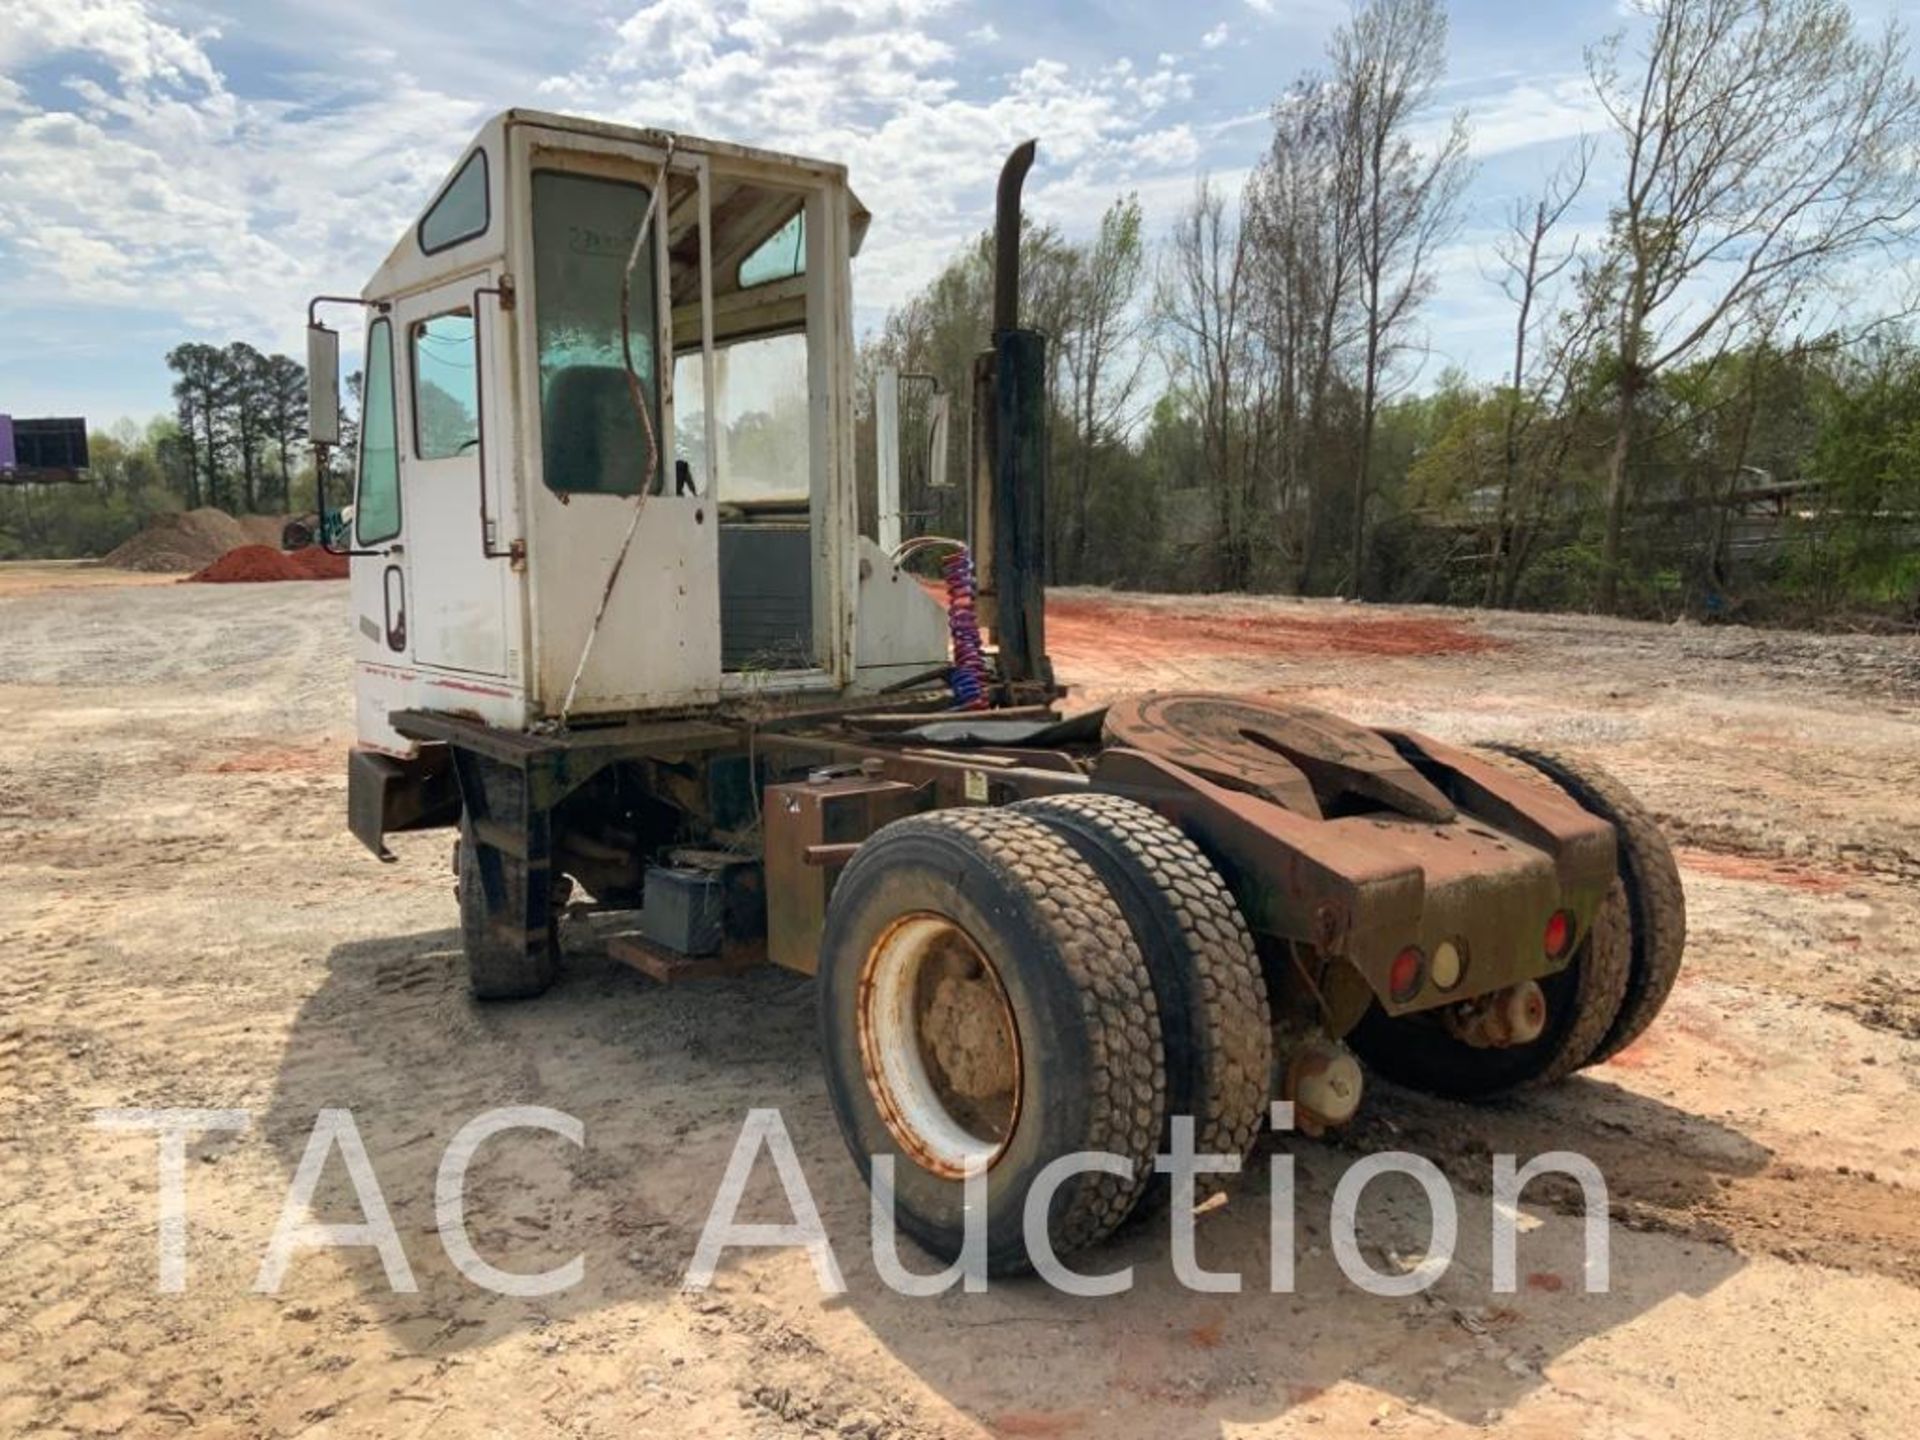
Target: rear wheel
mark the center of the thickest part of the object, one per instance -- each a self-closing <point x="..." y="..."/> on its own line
<point x="1655" y="900"/>
<point x="982" y="1005"/>
<point x="1214" y="1016"/>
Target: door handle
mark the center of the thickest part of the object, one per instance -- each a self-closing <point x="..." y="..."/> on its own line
<point x="394" y="585"/>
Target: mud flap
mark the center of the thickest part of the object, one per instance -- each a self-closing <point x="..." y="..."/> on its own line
<point x="386" y="795"/>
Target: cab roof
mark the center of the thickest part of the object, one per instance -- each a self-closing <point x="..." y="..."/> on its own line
<point x="746" y="205"/>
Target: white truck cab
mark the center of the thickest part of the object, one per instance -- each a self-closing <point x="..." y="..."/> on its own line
<point x="559" y="517"/>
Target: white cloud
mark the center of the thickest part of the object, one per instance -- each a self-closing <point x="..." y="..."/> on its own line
<point x="143" y="181"/>
<point x="155" y="187"/>
<point x="138" y="47"/>
<point x="1540" y="110"/>
<point x="159" y="184"/>
<point x="873" y="83"/>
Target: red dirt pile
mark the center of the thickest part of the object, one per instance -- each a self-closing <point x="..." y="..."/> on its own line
<point x="320" y="564"/>
<point x="1150" y="631"/>
<point x="254" y="564"/>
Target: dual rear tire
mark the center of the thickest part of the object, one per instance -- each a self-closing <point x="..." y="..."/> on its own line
<point x="1656" y="920"/>
<point x="1003" y="989"/>
<point x="1215" y="1025"/>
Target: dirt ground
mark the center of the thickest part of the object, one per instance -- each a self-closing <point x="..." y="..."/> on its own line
<point x="185" y="922"/>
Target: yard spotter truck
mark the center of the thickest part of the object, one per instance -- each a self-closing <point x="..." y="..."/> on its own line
<point x="617" y="621"/>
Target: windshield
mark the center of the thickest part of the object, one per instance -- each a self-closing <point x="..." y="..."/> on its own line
<point x="762" y="415"/>
<point x="583" y="227"/>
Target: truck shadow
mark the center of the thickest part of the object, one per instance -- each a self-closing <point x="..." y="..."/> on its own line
<point x="662" y="1079"/>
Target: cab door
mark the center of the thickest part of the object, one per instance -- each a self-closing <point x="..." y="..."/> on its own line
<point x="457" y="618"/>
<point x="623" y="569"/>
<point x="378" y="588"/>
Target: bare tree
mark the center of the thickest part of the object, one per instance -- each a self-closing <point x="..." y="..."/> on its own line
<point x="1767" y="144"/>
<point x="1546" y="349"/>
<point x="1203" y="314"/>
<point x="1386" y="63"/>
<point x="1300" y="216"/>
<point x="1101" y="358"/>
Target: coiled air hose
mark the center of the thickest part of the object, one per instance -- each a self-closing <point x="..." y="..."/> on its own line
<point x="968" y="677"/>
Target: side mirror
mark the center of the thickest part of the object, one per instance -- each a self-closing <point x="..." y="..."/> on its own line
<point x="886" y="429"/>
<point x="323" y="385"/>
<point x="937" y="442"/>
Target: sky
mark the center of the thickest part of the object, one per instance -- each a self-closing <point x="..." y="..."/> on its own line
<point x="179" y="169"/>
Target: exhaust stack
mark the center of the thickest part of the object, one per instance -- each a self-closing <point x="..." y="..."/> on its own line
<point x="1006" y="237"/>
<point x="1010" y="455"/>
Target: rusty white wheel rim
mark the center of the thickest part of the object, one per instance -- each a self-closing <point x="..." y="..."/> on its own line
<point x="938" y="1045"/>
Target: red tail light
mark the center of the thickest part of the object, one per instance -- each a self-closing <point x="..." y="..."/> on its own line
<point x="1559" y="934"/>
<point x="1403" y="981"/>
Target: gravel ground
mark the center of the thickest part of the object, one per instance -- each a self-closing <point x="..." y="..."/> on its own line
<point x="186" y="923"/>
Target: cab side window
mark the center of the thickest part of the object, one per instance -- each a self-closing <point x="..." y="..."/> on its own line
<point x="460" y="212"/>
<point x="376" y="508"/>
<point x="781" y="256"/>
<point x="446" y="391"/>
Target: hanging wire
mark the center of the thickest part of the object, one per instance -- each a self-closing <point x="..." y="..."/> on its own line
<point x="640" y="406"/>
<point x="646" y="423"/>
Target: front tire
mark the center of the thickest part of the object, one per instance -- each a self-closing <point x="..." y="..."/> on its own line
<point x="982" y="1003"/>
<point x="506" y="960"/>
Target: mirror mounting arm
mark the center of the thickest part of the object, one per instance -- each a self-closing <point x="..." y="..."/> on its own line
<point x="313" y="305"/>
<point x="322" y="446"/>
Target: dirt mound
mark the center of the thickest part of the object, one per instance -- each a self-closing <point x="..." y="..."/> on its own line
<point x="181" y="542"/>
<point x="263" y="529"/>
<point x="1088" y="624"/>
<point x="321" y="564"/>
<point x="248" y="564"/>
<point x="254" y="564"/>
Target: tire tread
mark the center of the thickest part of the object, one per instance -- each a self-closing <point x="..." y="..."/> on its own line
<point x="1222" y="991"/>
<point x="497" y="969"/>
<point x="1656" y="900"/>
